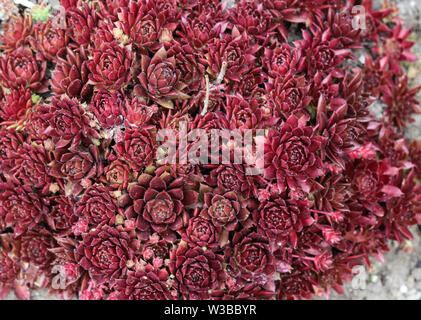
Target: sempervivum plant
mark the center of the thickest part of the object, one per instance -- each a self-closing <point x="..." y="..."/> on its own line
<point x="22" y="68"/>
<point x="154" y="149"/>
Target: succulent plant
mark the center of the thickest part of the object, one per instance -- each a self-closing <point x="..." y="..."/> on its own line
<point x="89" y="210"/>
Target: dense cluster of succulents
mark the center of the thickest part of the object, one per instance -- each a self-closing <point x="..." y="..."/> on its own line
<point x="86" y="208"/>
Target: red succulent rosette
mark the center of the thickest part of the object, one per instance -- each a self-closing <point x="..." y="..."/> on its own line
<point x="160" y="79"/>
<point x="198" y="273"/>
<point x="224" y="209"/>
<point x="255" y="19"/>
<point x="375" y="181"/>
<point x="234" y="177"/>
<point x="76" y="165"/>
<point x="108" y="108"/>
<point x="110" y="66"/>
<point x="118" y="175"/>
<point x="144" y="284"/>
<point x="15" y="104"/>
<point x="138" y="113"/>
<point x="280" y="60"/>
<point x="290" y="155"/>
<point x="295" y="286"/>
<point x="242" y="114"/>
<point x="66" y="122"/>
<point x="97" y="205"/>
<point x="138" y="147"/>
<point x="144" y="24"/>
<point x="61" y="214"/>
<point x="158" y="202"/>
<point x="250" y="257"/>
<point x="396" y="48"/>
<point x="22" y="68"/>
<point x="80" y="22"/>
<point x="156" y="251"/>
<point x="404" y="210"/>
<point x="340" y="132"/>
<point x="106" y="253"/>
<point x="48" y="40"/>
<point x="199" y="30"/>
<point x="8" y="267"/>
<point x="342" y="25"/>
<point x="237" y="51"/>
<point x="201" y="232"/>
<point x="29" y="166"/>
<point x="334" y="195"/>
<point x="10" y="141"/>
<point x="34" y="248"/>
<point x="190" y="62"/>
<point x="323" y="53"/>
<point x="16" y="32"/>
<point x="282" y="219"/>
<point x="71" y="75"/>
<point x="21" y="208"/>
<point x="289" y="94"/>
<point x="376" y="74"/>
<point x="375" y="24"/>
<point x="401" y="101"/>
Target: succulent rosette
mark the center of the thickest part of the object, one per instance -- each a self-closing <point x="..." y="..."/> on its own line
<point x="76" y="166"/>
<point x="251" y="257"/>
<point x="158" y="202"/>
<point x="118" y="175"/>
<point x="10" y="141"/>
<point x="375" y="181"/>
<point x="143" y="285"/>
<point x="16" y="32"/>
<point x="237" y="51"/>
<point x="281" y="59"/>
<point x="97" y="206"/>
<point x="21" y="207"/>
<point x="22" y="68"/>
<point x="144" y="24"/>
<point x="289" y="94"/>
<point x="71" y="75"/>
<point x="197" y="272"/>
<point x="80" y="22"/>
<point x="282" y="219"/>
<point x="110" y="66"/>
<point x="66" y="122"/>
<point x="323" y="53"/>
<point x="201" y="232"/>
<point x="290" y="155"/>
<point x="15" y="104"/>
<point x="61" y="214"/>
<point x="225" y="210"/>
<point x="160" y="79"/>
<point x="29" y="167"/>
<point x="108" y="108"/>
<point x="106" y="253"/>
<point x="138" y="147"/>
<point x="34" y="249"/>
<point x="49" y="41"/>
<point x="234" y="177"/>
